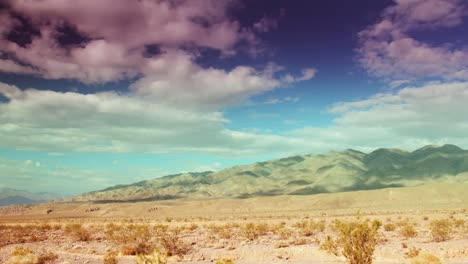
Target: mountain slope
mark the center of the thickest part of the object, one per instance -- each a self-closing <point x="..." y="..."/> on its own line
<point x="349" y="170"/>
<point x="12" y="196"/>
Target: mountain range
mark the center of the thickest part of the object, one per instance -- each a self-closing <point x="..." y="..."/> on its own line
<point x="349" y="170"/>
<point x="12" y="196"/>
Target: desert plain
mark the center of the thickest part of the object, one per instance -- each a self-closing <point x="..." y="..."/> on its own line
<point x="414" y="222"/>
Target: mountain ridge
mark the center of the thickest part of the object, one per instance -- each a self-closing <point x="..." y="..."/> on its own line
<point x="330" y="172"/>
<point x="10" y="196"/>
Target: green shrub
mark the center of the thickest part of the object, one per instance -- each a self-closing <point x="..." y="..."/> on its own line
<point x="355" y="240"/>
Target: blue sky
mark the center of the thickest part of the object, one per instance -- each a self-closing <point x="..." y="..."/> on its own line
<point x="88" y="101"/>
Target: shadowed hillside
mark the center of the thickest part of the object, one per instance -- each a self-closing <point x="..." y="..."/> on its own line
<point x="331" y="172"/>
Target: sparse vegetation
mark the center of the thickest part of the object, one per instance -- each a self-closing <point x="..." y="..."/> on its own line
<point x="459" y="223"/>
<point x="412" y="252"/>
<point x="21" y="255"/>
<point x="355" y="240"/>
<point x="138" y="239"/>
<point x="408" y="231"/>
<point x="132" y="238"/>
<point x="440" y="230"/>
<point x="389" y="227"/>
<point x="426" y="259"/>
<point x="78" y="232"/>
<point x="17" y="234"/>
<point x="224" y="261"/>
<point x="111" y="258"/>
<point x="252" y="231"/>
<point x="173" y="245"/>
<point x="223" y="231"/>
<point x="156" y="257"/>
<point x="309" y="228"/>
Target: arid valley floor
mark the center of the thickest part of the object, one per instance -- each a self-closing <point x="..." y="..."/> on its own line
<point x="277" y="229"/>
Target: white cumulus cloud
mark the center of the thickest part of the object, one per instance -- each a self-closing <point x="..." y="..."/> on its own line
<point x="388" y="50"/>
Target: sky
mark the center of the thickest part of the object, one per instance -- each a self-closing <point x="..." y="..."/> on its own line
<point x="95" y="93"/>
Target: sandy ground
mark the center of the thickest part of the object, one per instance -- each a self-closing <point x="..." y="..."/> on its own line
<point x="211" y="229"/>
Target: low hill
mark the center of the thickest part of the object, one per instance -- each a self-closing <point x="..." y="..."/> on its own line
<point x="331" y="172"/>
<point x="12" y="196"/>
<point x="428" y="197"/>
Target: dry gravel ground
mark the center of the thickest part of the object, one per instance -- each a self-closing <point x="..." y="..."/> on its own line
<point x="285" y="229"/>
<point x="206" y="240"/>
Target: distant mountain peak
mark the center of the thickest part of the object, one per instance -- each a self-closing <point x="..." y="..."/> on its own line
<point x="447" y="148"/>
<point x="451" y="147"/>
<point x="302" y="174"/>
<point x="354" y="151"/>
<point x="389" y="150"/>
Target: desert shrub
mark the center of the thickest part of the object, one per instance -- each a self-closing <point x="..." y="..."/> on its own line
<point x="18" y="234"/>
<point x="21" y="251"/>
<point x="160" y="230"/>
<point x="224" y="261"/>
<point x="156" y="257"/>
<point x="135" y="249"/>
<point x="403" y="222"/>
<point x="173" y="245"/>
<point x="285" y="233"/>
<point x="22" y="255"/>
<point x="459" y="223"/>
<point x="222" y="231"/>
<point x="425" y="218"/>
<point x="47" y="257"/>
<point x="426" y="259"/>
<point x="252" y="231"/>
<point x="440" y="230"/>
<point x="78" y="232"/>
<point x="355" y="240"/>
<point x="263" y="229"/>
<point x="412" y="252"/>
<point x="276" y="228"/>
<point x="389" y="227"/>
<point x="138" y="239"/>
<point x="128" y="234"/>
<point x="408" y="231"/>
<point x="111" y="258"/>
<point x="226" y="233"/>
<point x="192" y="227"/>
<point x="128" y="250"/>
<point x="44" y="227"/>
<point x="309" y="228"/>
<point x="135" y="239"/>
